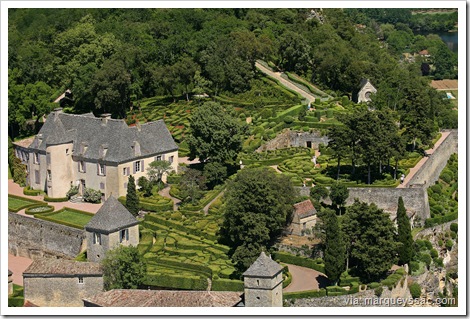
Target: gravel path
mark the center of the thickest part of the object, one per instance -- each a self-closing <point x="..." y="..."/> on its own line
<point x="166" y="193"/>
<point x="305" y="279"/>
<point x="277" y="75"/>
<point x="18" y="265"/>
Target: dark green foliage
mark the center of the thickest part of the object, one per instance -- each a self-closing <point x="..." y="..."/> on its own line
<point x="157" y="169"/>
<point x="415" y="290"/>
<point x="132" y="200"/>
<point x="434" y="253"/>
<point x="305" y="294"/>
<point x="258" y="206"/>
<point x="72" y="191"/>
<point x="339" y="193"/>
<point x="31" y="192"/>
<point x="405" y="250"/>
<point x="145" y="186"/>
<point x="316" y="264"/>
<point x="371" y="239"/>
<point x="335" y="250"/>
<point x="426" y="258"/>
<point x="378" y="291"/>
<point x="64" y="199"/>
<point x="192" y="185"/>
<point x="223" y="284"/>
<point x="215" y="174"/>
<point x="454" y="227"/>
<point x="449" y="244"/>
<point x="414" y="266"/>
<point x="215" y="134"/>
<point x="319" y="192"/>
<point x="123" y="268"/>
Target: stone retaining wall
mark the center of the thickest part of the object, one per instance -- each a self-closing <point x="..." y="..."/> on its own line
<point x="429" y="173"/>
<point x="33" y="238"/>
<point x="415" y="199"/>
<point x="290" y="138"/>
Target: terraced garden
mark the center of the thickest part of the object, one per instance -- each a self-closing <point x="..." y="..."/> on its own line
<point x="443" y="196"/>
<point x="182" y="252"/>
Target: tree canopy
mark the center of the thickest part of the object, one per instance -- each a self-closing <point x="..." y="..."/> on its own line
<point x="123" y="268"/>
<point x="258" y="206"/>
<point x="215" y="134"/>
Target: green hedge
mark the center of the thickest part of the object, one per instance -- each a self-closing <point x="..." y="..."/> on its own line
<point x="173" y="179"/>
<point x="176" y="281"/>
<point x="149" y="206"/>
<point x="49" y="209"/>
<point x="31" y="192"/>
<point x="305" y="294"/>
<point x="55" y="199"/>
<point x="441" y="219"/>
<point x="293" y="111"/>
<point x="171" y="263"/>
<point x="45" y="216"/>
<point x="32" y="201"/>
<point x="300" y="261"/>
<point x="223" y="284"/>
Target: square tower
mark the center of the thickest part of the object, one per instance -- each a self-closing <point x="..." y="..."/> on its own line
<point x="263" y="283"/>
<point x="111" y="226"/>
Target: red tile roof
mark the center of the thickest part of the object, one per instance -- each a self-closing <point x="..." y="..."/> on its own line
<point x="28" y="303"/>
<point x="164" y="298"/>
<point x="304" y="209"/>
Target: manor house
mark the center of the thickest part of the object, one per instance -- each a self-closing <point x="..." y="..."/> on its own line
<point x="93" y="152"/>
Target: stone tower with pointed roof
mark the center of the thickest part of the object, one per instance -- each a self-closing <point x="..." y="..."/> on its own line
<point x="263" y="283"/>
<point x="111" y="226"/>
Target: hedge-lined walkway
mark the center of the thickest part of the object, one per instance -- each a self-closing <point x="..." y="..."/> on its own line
<point x="418" y="166"/>
<point x="166" y="193"/>
<point x="305" y="279"/>
<point x="16" y="189"/>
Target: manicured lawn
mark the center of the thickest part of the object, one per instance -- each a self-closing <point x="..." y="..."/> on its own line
<point x="18" y="203"/>
<point x="17" y="298"/>
<point x="68" y="217"/>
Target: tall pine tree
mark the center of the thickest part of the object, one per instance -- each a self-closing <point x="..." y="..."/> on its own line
<point x="405" y="251"/>
<point x="335" y="249"/>
<point x="132" y="200"/>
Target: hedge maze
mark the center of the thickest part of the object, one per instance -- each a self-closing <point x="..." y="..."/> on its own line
<point x="182" y="252"/>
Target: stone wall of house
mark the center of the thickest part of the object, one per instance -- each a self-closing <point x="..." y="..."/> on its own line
<point x="60" y="291"/>
<point x="290" y="138"/>
<point x="33" y="238"/>
<point x="429" y="173"/>
<point x="415" y="199"/>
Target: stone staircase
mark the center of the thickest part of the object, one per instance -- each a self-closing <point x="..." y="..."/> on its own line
<point x="76" y="199"/>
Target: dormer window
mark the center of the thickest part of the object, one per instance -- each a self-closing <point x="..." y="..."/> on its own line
<point x="103" y="150"/>
<point x="83" y="148"/>
<point x="36" y="158"/>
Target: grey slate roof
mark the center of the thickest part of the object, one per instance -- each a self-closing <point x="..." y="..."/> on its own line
<point x="111" y="217"/>
<point x="94" y="132"/>
<point x="61" y="267"/>
<point x="264" y="266"/>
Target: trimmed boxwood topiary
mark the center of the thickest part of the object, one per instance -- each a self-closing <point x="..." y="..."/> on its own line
<point x="39" y="209"/>
<point x="56" y="199"/>
<point x="415" y="290"/>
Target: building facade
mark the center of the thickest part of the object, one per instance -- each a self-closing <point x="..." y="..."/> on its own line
<point x="112" y="225"/>
<point x="94" y="152"/>
<point x="61" y="283"/>
<point x="304" y="218"/>
<point x="365" y="90"/>
<point x="263" y="283"/>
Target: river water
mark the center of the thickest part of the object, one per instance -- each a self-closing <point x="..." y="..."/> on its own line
<point x="450" y="38"/>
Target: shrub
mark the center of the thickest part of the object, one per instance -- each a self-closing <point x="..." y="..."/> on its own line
<point x="428" y="244"/>
<point x="426" y="258"/>
<point x="316" y="264"/>
<point x="72" y="191"/>
<point x="434" y="253"/>
<point x="446" y="177"/>
<point x="439" y="262"/>
<point x="91" y="195"/>
<point x="288" y="119"/>
<point x="415" y="290"/>
<point x="378" y="291"/>
<point x="414" y="266"/>
<point x="454" y="227"/>
<point x="449" y="244"/>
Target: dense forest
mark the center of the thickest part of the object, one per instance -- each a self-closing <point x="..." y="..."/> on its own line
<point x="112" y="58"/>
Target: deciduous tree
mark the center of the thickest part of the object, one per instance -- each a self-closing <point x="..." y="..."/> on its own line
<point x="123" y="268"/>
<point x="157" y="169"/>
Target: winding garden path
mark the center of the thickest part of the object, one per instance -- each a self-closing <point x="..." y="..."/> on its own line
<point x="305" y="279"/>
<point x="277" y="75"/>
<point x="166" y="193"/>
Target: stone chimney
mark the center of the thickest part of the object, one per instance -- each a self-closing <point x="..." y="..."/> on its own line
<point x="105" y="117"/>
<point x="57" y="111"/>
